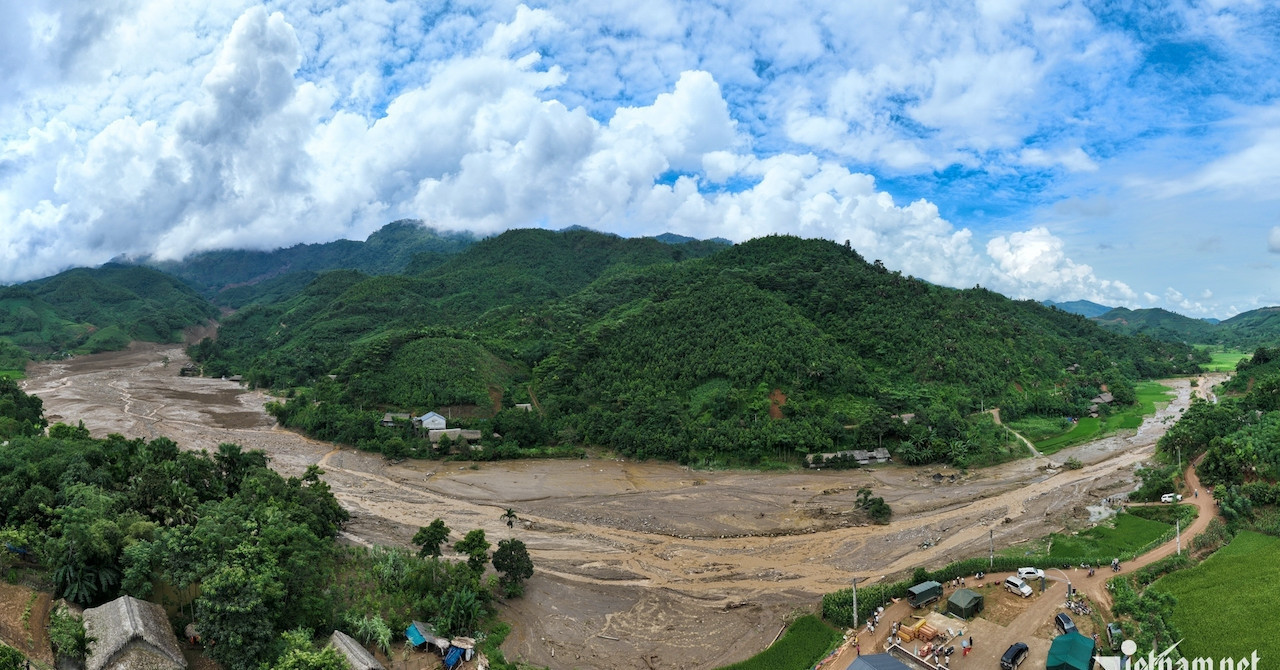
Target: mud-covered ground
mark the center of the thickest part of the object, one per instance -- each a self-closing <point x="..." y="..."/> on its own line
<point x="639" y="565"/>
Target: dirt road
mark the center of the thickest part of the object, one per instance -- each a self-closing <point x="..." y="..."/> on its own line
<point x="685" y="568"/>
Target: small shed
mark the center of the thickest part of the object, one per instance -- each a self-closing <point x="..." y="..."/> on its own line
<point x="357" y="656"/>
<point x="965" y="603"/>
<point x="131" y="634"/>
<point x="1072" y="651"/>
<point x="431" y="421"/>
<point x="389" y="419"/>
<point x="423" y="636"/>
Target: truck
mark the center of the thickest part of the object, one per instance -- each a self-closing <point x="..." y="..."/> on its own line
<point x="924" y="593"/>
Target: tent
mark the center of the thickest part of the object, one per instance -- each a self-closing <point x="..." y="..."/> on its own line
<point x="965" y="603"/>
<point x="1072" y="651"/>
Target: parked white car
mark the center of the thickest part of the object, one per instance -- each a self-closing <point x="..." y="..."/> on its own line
<point x="1171" y="497"/>
<point x="1030" y="573"/>
<point x="1016" y="585"/>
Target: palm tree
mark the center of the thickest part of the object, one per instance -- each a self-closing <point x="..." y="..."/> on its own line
<point x="510" y="517"/>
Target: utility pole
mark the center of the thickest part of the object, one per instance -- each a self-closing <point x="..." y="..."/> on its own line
<point x="1177" y="529"/>
<point x="991" y="535"/>
<point x="855" y="605"/>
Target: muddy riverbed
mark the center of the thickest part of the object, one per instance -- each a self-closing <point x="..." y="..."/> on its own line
<point x="638" y="565"/>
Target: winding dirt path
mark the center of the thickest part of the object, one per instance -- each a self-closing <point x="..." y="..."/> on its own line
<point x="637" y="564"/>
<point x="995" y="416"/>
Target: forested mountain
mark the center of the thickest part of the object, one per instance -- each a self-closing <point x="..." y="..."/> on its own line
<point x="768" y="350"/>
<point x="1160" y="324"/>
<point x="1084" y="308"/>
<point x="387" y="251"/>
<point x="89" y="310"/>
<point x="1250" y="329"/>
<point x="1260" y="327"/>
<point x="340" y="313"/>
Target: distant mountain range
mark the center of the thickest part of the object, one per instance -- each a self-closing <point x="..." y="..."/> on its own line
<point x="1082" y="307"/>
<point x="1260" y="327"/>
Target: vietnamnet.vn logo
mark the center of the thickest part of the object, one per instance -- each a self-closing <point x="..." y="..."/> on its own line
<point x="1161" y="661"/>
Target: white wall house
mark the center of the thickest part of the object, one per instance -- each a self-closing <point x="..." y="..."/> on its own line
<point x="431" y="421"/>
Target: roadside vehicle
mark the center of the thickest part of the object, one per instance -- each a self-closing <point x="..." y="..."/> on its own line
<point x="1030" y="573"/>
<point x="1171" y="498"/>
<point x="1016" y="585"/>
<point x="924" y="593"/>
<point x="1063" y="623"/>
<point x="1014" y="656"/>
<point x="1115" y="635"/>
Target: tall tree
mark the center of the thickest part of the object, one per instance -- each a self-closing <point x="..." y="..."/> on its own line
<point x="431" y="537"/>
<point x="476" y="547"/>
<point x="512" y="561"/>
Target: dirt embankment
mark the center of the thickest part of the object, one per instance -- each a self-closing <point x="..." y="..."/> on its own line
<point x="638" y="564"/>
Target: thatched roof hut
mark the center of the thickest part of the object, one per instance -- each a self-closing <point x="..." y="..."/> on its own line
<point x="357" y="656"/>
<point x="131" y="634"/>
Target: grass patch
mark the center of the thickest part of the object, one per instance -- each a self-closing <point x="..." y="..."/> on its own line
<point x="1035" y="547"/>
<point x="805" y="643"/>
<point x="1224" y="603"/>
<point x="1041" y="430"/>
<point x="1166" y="514"/>
<point x="1223" y="360"/>
<point x="1123" y="534"/>
<point x="1083" y="431"/>
<point x="13" y="374"/>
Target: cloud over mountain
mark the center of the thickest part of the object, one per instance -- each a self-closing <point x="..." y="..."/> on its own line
<point x="147" y="128"/>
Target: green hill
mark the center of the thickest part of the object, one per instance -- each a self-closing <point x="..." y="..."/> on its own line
<point x="1158" y="323"/>
<point x="387" y="251"/>
<point x="293" y="340"/>
<point x="90" y="310"/>
<point x="1260" y="327"/>
<point x="1250" y="329"/>
<point x="687" y="369"/>
<point x="764" y="351"/>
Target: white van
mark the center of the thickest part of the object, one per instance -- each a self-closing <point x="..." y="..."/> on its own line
<point x="1016" y="585"/>
<point x="1171" y="497"/>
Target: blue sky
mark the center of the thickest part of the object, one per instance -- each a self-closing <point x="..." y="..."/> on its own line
<point x="1126" y="153"/>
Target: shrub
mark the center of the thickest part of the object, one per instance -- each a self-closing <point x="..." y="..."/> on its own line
<point x="67" y="634"/>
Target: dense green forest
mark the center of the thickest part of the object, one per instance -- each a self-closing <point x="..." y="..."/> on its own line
<point x="762" y="352"/>
<point x="220" y="538"/>
<point x="92" y="310"/>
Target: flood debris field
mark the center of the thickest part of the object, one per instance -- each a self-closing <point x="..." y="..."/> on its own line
<point x="638" y="565"/>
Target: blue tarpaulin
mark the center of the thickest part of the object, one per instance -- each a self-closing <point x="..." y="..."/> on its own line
<point x="453" y="658"/>
<point x="414" y="635"/>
